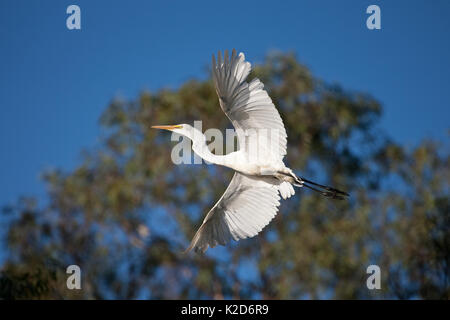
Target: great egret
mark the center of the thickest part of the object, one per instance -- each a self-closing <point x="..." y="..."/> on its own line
<point x="252" y="198"/>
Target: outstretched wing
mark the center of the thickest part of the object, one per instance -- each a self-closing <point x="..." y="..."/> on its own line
<point x="246" y="207"/>
<point x="249" y="107"/>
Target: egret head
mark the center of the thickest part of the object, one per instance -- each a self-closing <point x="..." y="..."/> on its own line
<point x="184" y="129"/>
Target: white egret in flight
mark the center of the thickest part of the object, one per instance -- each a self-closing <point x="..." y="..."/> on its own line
<point x="252" y="198"/>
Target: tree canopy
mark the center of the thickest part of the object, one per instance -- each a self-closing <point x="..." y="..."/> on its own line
<point x="126" y="212"/>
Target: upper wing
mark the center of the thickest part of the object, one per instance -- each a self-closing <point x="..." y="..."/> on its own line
<point x="246" y="207"/>
<point x="249" y="107"/>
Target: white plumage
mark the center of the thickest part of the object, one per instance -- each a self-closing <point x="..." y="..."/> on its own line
<point x="252" y="198"/>
<point x="245" y="208"/>
<point x="248" y="106"/>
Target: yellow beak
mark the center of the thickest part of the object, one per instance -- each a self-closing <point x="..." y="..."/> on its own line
<point x="168" y="127"/>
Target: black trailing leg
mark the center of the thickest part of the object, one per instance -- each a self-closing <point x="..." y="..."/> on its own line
<point x="326" y="191"/>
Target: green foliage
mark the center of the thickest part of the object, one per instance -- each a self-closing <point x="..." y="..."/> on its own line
<point x="126" y="213"/>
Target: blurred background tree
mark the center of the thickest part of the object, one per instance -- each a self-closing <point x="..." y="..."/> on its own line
<point x="126" y="213"/>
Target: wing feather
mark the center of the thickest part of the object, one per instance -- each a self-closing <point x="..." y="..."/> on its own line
<point x="247" y="105"/>
<point x="246" y="207"/>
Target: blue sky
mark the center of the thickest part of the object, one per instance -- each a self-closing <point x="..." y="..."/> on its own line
<point x="55" y="82"/>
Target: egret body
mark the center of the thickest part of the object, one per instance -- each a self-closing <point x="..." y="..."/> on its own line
<point x="252" y="198"/>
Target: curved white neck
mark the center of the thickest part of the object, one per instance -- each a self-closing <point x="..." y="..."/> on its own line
<point x="200" y="147"/>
